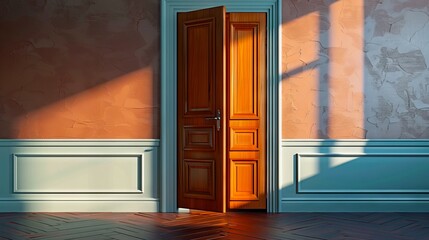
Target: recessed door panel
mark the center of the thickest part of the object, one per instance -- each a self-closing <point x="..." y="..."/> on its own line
<point x="244" y="135"/>
<point x="199" y="138"/>
<point x="199" y="76"/>
<point x="199" y="178"/>
<point x="244" y="179"/>
<point x="244" y="78"/>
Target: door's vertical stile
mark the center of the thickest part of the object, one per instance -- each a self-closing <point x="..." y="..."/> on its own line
<point x="227" y="96"/>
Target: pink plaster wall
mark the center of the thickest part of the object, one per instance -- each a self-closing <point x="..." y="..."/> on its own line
<point x="355" y="69"/>
<point x="90" y="69"/>
<point x="79" y="69"/>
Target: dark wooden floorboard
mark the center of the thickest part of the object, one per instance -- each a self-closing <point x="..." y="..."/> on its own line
<point x="208" y="225"/>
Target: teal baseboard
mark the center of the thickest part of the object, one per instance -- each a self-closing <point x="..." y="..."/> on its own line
<point x="355" y="206"/>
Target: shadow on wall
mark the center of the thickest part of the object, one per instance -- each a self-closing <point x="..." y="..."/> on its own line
<point x="369" y="174"/>
<point x="79" y="69"/>
<point x="322" y="86"/>
<point x="396" y="80"/>
<point x="374" y="172"/>
<point x="360" y="172"/>
<point x="89" y="69"/>
<point x="308" y="82"/>
<point x="358" y="71"/>
<point x="75" y="69"/>
<point x="355" y="70"/>
<point x="348" y="75"/>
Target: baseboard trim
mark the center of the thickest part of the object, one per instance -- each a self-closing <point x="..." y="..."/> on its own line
<point x="355" y="206"/>
<point x="79" y="206"/>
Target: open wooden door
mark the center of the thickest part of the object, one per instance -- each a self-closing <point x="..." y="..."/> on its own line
<point x="201" y="110"/>
<point x="221" y="110"/>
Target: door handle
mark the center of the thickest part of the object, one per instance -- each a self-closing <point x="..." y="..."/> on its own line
<point x="217" y="118"/>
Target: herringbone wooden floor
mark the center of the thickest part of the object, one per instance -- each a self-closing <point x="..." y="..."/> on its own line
<point x="205" y="225"/>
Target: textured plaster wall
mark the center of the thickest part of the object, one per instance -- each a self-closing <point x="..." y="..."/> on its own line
<point x="396" y="69"/>
<point x="90" y="69"/>
<point x="79" y="69"/>
<point x="355" y="69"/>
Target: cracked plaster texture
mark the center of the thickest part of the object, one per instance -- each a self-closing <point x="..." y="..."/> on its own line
<point x="355" y="69"/>
<point x="79" y="69"/>
<point x="90" y="69"/>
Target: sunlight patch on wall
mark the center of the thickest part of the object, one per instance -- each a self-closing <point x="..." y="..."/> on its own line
<point x="125" y="107"/>
<point x="57" y="57"/>
<point x="323" y="70"/>
<point x="300" y="81"/>
<point x="346" y="96"/>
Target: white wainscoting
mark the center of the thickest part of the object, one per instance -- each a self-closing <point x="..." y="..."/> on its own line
<point x="79" y="175"/>
<point x="354" y="175"/>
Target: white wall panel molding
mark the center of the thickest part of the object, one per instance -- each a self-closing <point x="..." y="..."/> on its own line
<point x="341" y="181"/>
<point x="79" y="175"/>
<point x="87" y="173"/>
<point x="354" y="175"/>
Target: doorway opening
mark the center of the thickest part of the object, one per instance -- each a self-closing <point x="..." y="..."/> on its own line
<point x="221" y="110"/>
<point x="168" y="146"/>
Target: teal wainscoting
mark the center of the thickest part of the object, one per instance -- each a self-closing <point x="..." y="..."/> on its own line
<point x="79" y="175"/>
<point x="354" y="175"/>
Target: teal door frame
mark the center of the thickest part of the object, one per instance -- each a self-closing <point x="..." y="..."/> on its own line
<point x="168" y="160"/>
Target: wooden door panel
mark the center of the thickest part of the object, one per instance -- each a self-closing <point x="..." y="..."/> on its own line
<point x="244" y="77"/>
<point x="244" y="179"/>
<point x="244" y="135"/>
<point x="199" y="73"/>
<point x="199" y="138"/>
<point x="199" y="178"/>
<point x="201" y="95"/>
<point x="246" y="115"/>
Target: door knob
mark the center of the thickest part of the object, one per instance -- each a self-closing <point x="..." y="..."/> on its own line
<point x="217" y="118"/>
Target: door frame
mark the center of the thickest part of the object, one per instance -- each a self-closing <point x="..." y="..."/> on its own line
<point x="168" y="127"/>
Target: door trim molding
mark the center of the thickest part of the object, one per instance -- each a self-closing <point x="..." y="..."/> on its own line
<point x="169" y="10"/>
